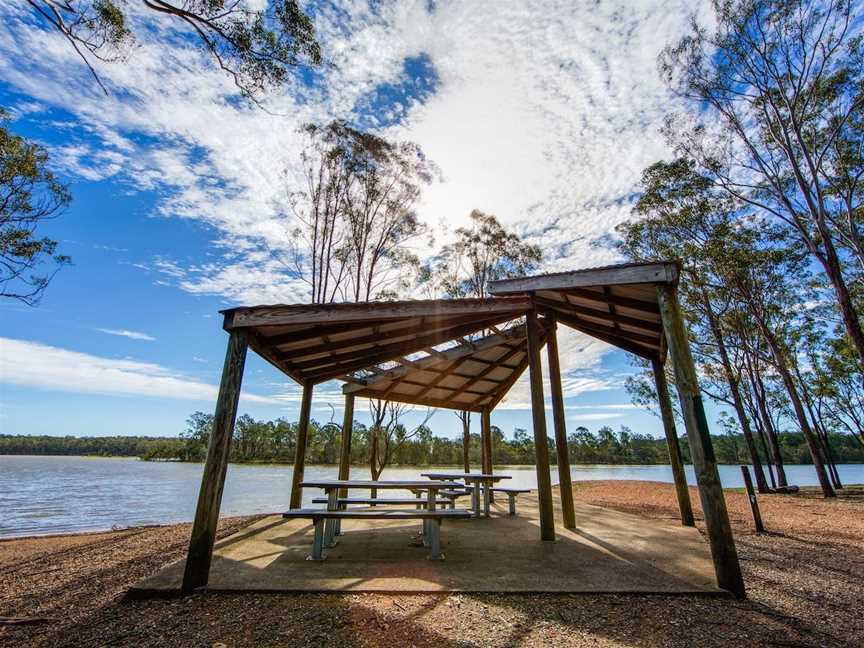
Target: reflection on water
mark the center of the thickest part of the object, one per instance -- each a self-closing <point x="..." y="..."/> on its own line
<point x="63" y="494"/>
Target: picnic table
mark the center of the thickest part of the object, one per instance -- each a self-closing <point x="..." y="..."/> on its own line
<point x="478" y="479"/>
<point x="332" y="487"/>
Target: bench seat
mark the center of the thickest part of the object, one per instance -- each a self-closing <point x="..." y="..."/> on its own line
<point x="431" y="519"/>
<point x="385" y="514"/>
<point x="383" y="501"/>
<point x="512" y="494"/>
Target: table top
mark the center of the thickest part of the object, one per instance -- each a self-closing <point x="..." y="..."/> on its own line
<point x="368" y="483"/>
<point x="468" y="477"/>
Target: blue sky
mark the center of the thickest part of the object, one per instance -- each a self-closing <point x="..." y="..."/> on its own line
<point x="543" y="115"/>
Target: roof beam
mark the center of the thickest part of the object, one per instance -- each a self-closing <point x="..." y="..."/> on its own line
<point x="376" y="338"/>
<point x="315" y="332"/>
<point x="568" y="306"/>
<point x="403" y="347"/>
<point x="370" y="311"/>
<point x="384" y="353"/>
<point x="662" y="272"/>
<point x="605" y="336"/>
<point x="612" y="332"/>
<point x="425" y="402"/>
<point x="618" y="300"/>
<point x="442" y="357"/>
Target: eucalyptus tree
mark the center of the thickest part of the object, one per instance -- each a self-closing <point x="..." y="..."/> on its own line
<point x="257" y="44"/>
<point x="838" y="393"/>
<point x="762" y="278"/>
<point x="777" y="91"/>
<point x="30" y="195"/>
<point x="353" y="217"/>
<point x="387" y="433"/>
<point x="680" y="215"/>
<point x="483" y="251"/>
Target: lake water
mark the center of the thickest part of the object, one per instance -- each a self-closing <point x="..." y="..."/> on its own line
<point x="64" y="494"/>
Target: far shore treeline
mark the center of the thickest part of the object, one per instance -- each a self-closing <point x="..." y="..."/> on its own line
<point x="274" y="441"/>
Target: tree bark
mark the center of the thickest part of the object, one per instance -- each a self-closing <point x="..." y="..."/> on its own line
<point x="732" y="381"/>
<point x="789" y="383"/>
<point x="773" y="441"/>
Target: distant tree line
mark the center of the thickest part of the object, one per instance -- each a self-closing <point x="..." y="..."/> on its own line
<point x="109" y="446"/>
<point x="274" y="442"/>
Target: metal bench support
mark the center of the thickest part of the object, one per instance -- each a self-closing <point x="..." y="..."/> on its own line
<point x="318" y="542"/>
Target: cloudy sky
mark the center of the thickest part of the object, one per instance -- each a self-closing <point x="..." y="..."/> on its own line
<point x="541" y="112"/>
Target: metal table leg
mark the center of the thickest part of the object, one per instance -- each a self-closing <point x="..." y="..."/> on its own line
<point x="475" y="499"/>
<point x="330" y="525"/>
<point x="487" y="490"/>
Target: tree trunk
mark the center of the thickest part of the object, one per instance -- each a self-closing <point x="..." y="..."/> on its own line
<point x="773" y="441"/>
<point x="732" y="380"/>
<point x="831" y="263"/>
<point x="788" y="382"/>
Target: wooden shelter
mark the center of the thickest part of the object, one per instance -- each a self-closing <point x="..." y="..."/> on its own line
<point x="421" y="352"/>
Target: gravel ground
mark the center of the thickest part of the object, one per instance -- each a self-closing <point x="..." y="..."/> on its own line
<point x="803" y="578"/>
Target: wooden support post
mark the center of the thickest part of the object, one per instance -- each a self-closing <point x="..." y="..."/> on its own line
<point x="300" y="451"/>
<point x="486" y="443"/>
<point x="684" y="505"/>
<point x="197" y="570"/>
<point x="565" y="483"/>
<point x="541" y="443"/>
<point x="723" y="552"/>
<point x="751" y="495"/>
<point x="345" y="450"/>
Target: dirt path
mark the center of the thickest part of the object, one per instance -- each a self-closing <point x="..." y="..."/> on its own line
<point x="804" y="580"/>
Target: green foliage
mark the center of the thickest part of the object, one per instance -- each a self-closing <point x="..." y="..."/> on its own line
<point x="274" y="442"/>
<point x="258" y="47"/>
<point x="30" y="194"/>
<point x="111" y="446"/>
<point x="354" y="216"/>
<point x="481" y="253"/>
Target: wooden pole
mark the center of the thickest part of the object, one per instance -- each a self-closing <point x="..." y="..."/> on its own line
<point x="345" y="450"/>
<point x="300" y="451"/>
<point x="751" y="495"/>
<point x="541" y="444"/>
<point x="197" y="570"/>
<point x="723" y="552"/>
<point x="564" y="482"/>
<point x="678" y="474"/>
<point x="486" y="438"/>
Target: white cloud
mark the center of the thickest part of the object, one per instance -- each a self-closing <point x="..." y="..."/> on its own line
<point x="581" y="371"/>
<point x="597" y="416"/>
<point x="132" y="335"/>
<point x="31" y="364"/>
<point x="544" y="112"/>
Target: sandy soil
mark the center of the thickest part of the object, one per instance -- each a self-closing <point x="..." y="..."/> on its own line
<point x="804" y="581"/>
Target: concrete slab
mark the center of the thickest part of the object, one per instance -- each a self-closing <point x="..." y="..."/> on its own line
<point x="607" y="552"/>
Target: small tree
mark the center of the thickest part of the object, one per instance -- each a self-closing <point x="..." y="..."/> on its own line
<point x="386" y="433"/>
<point x="482" y="252"/>
<point x="354" y="217"/>
<point x="30" y="194"/>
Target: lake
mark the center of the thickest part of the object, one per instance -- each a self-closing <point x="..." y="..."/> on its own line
<point x="41" y="495"/>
